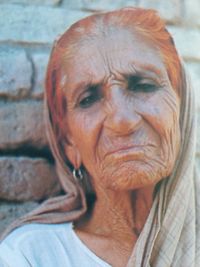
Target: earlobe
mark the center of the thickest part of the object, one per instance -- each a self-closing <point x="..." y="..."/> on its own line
<point x="73" y="154"/>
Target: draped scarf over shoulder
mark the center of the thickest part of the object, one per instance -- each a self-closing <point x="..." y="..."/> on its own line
<point x="171" y="235"/>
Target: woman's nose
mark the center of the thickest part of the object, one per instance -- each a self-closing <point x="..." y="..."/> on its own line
<point x="121" y="117"/>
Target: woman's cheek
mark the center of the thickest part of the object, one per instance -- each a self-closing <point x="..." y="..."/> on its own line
<point x="162" y="113"/>
<point x="169" y="130"/>
<point x="170" y="111"/>
<point x="87" y="132"/>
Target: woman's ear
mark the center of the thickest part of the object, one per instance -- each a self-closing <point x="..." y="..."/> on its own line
<point x="73" y="154"/>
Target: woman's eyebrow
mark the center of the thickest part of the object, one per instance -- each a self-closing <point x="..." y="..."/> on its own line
<point x="82" y="86"/>
<point x="151" y="68"/>
<point x="141" y="70"/>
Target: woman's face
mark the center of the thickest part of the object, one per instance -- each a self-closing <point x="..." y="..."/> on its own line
<point x="122" y="113"/>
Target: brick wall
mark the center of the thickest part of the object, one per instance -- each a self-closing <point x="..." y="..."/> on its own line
<point x="27" y="30"/>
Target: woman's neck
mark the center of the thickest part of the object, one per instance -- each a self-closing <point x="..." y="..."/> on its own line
<point x="119" y="216"/>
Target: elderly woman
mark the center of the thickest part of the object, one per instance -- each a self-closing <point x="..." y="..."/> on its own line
<point x="120" y="122"/>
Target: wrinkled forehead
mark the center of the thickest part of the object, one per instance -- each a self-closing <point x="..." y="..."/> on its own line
<point x="110" y="50"/>
<point x="102" y="38"/>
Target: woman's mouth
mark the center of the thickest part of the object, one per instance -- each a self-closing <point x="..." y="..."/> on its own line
<point x="134" y="152"/>
<point x="131" y="151"/>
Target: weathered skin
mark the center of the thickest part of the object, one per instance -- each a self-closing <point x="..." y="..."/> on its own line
<point x="123" y="127"/>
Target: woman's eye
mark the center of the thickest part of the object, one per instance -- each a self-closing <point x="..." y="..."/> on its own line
<point x="92" y="95"/>
<point x="140" y="84"/>
<point x="144" y="87"/>
<point x="89" y="100"/>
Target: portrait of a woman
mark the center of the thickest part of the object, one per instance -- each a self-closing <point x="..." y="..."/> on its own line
<point x="120" y="120"/>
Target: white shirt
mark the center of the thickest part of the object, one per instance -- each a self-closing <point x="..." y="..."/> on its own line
<point x="47" y="245"/>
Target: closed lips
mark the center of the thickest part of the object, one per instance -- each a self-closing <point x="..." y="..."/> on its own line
<point x="126" y="148"/>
